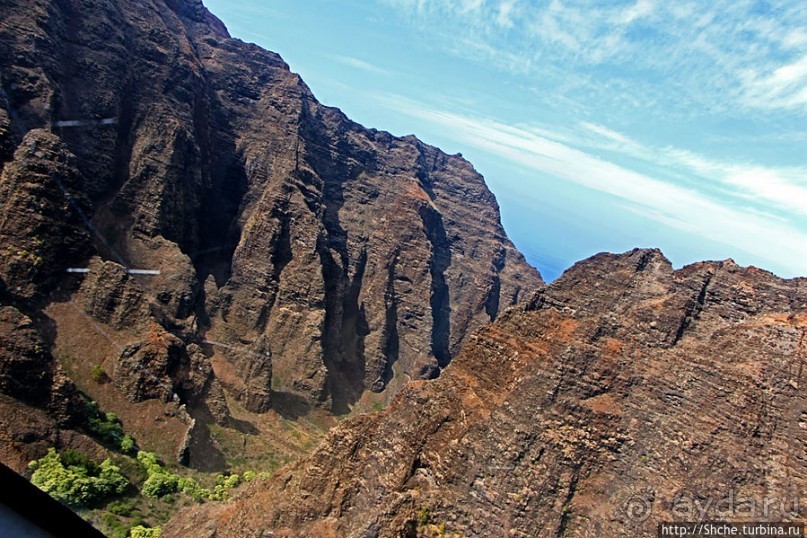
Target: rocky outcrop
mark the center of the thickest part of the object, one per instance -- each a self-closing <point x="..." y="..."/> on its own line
<point x="38" y="401"/>
<point x="43" y="212"/>
<point x="624" y="394"/>
<point x="26" y="367"/>
<point x="300" y="252"/>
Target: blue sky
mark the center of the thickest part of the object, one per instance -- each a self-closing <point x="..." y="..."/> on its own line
<point x="600" y="126"/>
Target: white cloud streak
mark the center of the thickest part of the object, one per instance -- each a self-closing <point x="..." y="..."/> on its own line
<point x="781" y="189"/>
<point x="506" y="11"/>
<point x="639" y="10"/>
<point x="785" y="87"/>
<point x="361" y="65"/>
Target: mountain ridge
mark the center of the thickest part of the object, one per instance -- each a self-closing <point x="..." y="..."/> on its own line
<point x="620" y="396"/>
<point x="229" y="269"/>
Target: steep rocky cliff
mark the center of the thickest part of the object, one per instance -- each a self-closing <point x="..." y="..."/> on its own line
<point x="624" y="394"/>
<point x="189" y="238"/>
<point x="294" y="258"/>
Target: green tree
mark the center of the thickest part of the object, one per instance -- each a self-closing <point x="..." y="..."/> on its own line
<point x="160" y="484"/>
<point x="145" y="532"/>
<point x="127" y="444"/>
<point x="82" y="483"/>
<point x="97" y="374"/>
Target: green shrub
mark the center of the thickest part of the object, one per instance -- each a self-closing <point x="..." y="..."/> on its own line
<point x="228" y="481"/>
<point x="218" y="494"/>
<point x="149" y="461"/>
<point x="144" y="532"/>
<point x="192" y="489"/>
<point x="81" y="484"/>
<point x="120" y="508"/>
<point x="74" y="458"/>
<point x="160" y="481"/>
<point x="115" y="528"/>
<point x="107" y="428"/>
<point x="424" y="517"/>
<point x="111" y="474"/>
<point x="160" y="484"/>
<point x="127" y="445"/>
<point x="97" y="374"/>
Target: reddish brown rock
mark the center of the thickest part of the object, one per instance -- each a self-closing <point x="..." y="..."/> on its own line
<point x="624" y="394"/>
<point x="323" y="260"/>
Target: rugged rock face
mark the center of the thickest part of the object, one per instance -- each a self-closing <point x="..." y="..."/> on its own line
<point x="41" y="224"/>
<point x="624" y="394"/>
<point x="37" y="399"/>
<point x="27" y="371"/>
<point x="299" y="254"/>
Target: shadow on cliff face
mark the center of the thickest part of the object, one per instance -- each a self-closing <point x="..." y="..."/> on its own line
<point x="344" y="261"/>
<point x="289" y="405"/>
<point x="243" y="426"/>
<point x="202" y="453"/>
<point x="440" y="301"/>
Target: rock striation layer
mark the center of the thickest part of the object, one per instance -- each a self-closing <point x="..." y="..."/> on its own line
<point x="624" y="394"/>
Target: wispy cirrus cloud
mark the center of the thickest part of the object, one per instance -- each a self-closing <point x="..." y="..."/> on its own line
<point x="608" y="134"/>
<point x="718" y="54"/>
<point x="781" y="189"/>
<point x="636" y="59"/>
<point x="639" y="10"/>
<point x="505" y="13"/>
<point x="784" y="87"/>
<point x="771" y="188"/>
<point x="684" y="208"/>
<point x="360" y="64"/>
